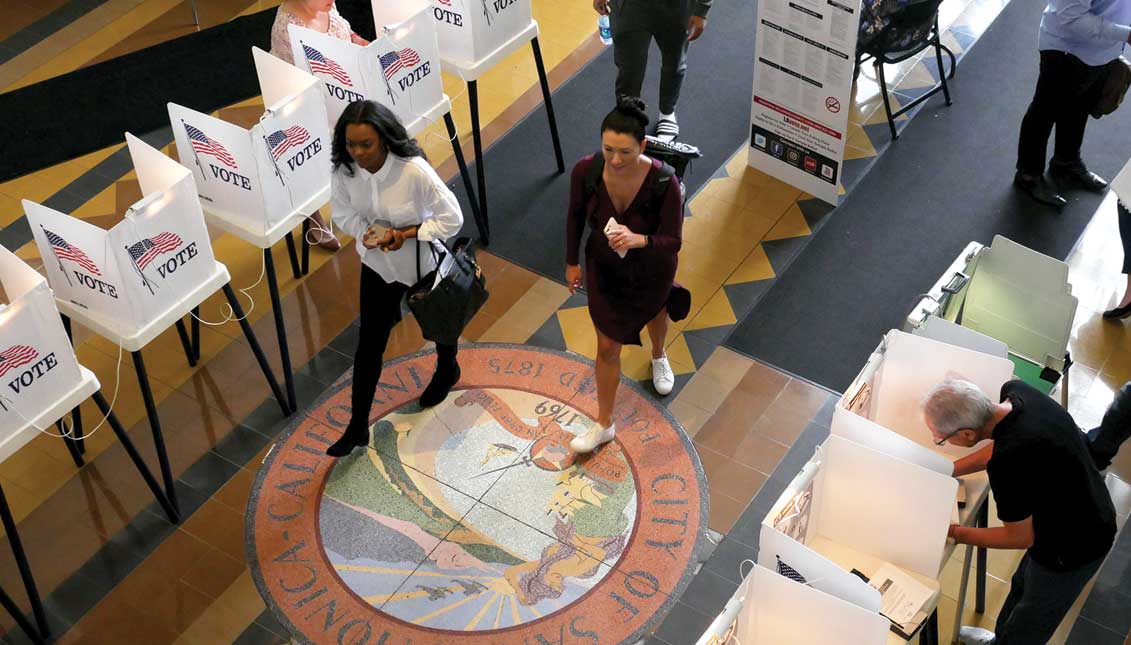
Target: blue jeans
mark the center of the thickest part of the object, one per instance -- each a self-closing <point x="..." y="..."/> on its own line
<point x="1038" y="600"/>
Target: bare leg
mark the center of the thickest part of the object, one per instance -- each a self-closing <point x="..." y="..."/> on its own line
<point x="1126" y="293"/>
<point x="322" y="235"/>
<point x="608" y="378"/>
<point x="658" y="332"/>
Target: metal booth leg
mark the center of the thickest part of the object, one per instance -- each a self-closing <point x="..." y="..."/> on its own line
<point x="195" y="324"/>
<point x="280" y="329"/>
<point x="186" y="343"/>
<point x="21" y="620"/>
<point x="22" y="565"/>
<point x="72" y="445"/>
<point x="549" y="101"/>
<point x="457" y="150"/>
<point x="155" y="428"/>
<point x="167" y="505"/>
<point x="249" y="334"/>
<point x="292" y="253"/>
<point x="76" y="414"/>
<point x="306" y="246"/>
<point x="966" y="563"/>
<point x="477" y="142"/>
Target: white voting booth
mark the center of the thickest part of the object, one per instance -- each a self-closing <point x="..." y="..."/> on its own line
<point x="131" y="283"/>
<point x="41" y="381"/>
<point x="771" y="609"/>
<point x="849" y="508"/>
<point x="259" y="184"/>
<point x="472" y="37"/>
<point x="40" y="378"/>
<point x="400" y="69"/>
<point x="882" y="409"/>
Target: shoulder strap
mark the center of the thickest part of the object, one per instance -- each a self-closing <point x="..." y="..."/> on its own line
<point x="660" y="187"/>
<point x="593" y="175"/>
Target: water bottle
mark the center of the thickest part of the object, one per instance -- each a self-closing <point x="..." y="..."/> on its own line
<point x="605" y="30"/>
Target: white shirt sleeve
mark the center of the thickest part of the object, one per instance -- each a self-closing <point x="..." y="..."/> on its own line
<point x="1077" y="17"/>
<point x="345" y="216"/>
<point x="445" y="217"/>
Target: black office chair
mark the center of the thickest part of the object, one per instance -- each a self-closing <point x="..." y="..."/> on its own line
<point x="910" y="30"/>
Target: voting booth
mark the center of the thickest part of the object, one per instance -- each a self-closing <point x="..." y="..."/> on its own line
<point x="40" y="382"/>
<point x="131" y="283"/>
<point x="259" y="184"/>
<point x="855" y="509"/>
<point x="769" y="608"/>
<point x="1015" y="295"/>
<point x="472" y="37"/>
<point x="400" y="69"/>
<point x="40" y="378"/>
<point x="882" y="409"/>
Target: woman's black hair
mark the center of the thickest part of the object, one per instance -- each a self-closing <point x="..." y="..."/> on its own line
<point x="389" y="128"/>
<point x="628" y="117"/>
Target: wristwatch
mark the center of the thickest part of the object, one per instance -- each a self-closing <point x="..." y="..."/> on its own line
<point x="647" y="241"/>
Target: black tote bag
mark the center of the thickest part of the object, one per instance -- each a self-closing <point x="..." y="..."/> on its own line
<point x="444" y="311"/>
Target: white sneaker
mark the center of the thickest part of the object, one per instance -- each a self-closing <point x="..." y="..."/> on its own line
<point x="667" y="128"/>
<point x="593" y="437"/>
<point x="662" y="377"/>
<point x="969" y="635"/>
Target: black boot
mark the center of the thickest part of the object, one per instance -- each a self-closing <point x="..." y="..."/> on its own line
<point x="441" y="384"/>
<point x="353" y="437"/>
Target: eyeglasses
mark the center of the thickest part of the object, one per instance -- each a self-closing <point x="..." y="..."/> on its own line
<point x="947" y="438"/>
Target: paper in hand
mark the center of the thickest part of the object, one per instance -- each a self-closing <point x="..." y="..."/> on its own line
<point x="610" y="226"/>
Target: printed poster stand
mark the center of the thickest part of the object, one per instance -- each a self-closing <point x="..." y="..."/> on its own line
<point x="399" y="69"/>
<point x="474" y="36"/>
<point x="131" y="283"/>
<point x="259" y="184"/>
<point x="42" y="381"/>
<point x="852" y="507"/>
<point x="769" y="609"/>
<point x="881" y="409"/>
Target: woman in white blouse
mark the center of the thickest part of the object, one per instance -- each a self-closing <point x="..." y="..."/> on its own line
<point x="321" y="16"/>
<point x="385" y="194"/>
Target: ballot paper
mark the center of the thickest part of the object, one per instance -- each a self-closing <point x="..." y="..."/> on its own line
<point x="609" y="227"/>
<point x="902" y="596"/>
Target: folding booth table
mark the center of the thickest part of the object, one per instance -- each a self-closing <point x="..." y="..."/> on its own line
<point x="1013" y="294"/>
<point x="474" y="36"/>
<point x="43" y="381"/>
<point x="131" y="283"/>
<point x="881" y="409"/>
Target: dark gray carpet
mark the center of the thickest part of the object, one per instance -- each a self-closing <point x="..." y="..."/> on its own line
<point x="945" y="182"/>
<point x="526" y="196"/>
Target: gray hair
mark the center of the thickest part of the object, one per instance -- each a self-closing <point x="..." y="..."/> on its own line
<point x="956" y="404"/>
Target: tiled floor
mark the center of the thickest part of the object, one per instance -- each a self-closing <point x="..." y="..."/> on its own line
<point x="113" y="571"/>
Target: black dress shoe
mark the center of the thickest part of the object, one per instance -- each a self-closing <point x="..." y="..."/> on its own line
<point x="438" y="388"/>
<point x="1119" y="313"/>
<point x="354" y="437"/>
<point x="1040" y="190"/>
<point x="1076" y="174"/>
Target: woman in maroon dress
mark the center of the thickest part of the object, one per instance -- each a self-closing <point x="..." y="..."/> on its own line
<point x="634" y="206"/>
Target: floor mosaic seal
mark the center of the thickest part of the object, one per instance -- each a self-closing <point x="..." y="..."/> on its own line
<point x="472" y="523"/>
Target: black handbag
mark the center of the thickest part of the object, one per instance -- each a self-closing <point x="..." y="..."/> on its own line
<point x="444" y="311"/>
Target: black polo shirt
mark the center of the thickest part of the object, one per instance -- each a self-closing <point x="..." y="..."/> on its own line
<point x="1041" y="468"/>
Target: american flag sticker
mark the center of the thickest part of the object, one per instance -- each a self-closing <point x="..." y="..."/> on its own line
<point x="320" y="64"/>
<point x="203" y="144"/>
<point x="281" y="141"/>
<point x="149" y="248"/>
<point x="67" y="251"/>
<point x="396" y="61"/>
<point x="16" y="356"/>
